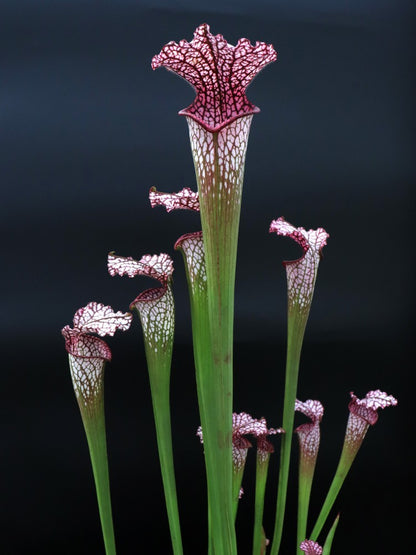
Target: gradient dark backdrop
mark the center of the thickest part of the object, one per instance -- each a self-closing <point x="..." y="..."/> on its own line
<point x="86" y="128"/>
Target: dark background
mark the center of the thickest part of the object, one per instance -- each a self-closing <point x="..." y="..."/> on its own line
<point x="86" y="128"/>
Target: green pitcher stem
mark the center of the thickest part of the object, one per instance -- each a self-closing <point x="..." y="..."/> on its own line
<point x="346" y="459"/>
<point x="158" y="333"/>
<point x="306" y="472"/>
<point x="94" y="425"/>
<point x="219" y="170"/>
<point x="261" y="479"/>
<point x="159" y="366"/>
<point x="296" y="329"/>
<point x="207" y="400"/>
<point x="237" y="481"/>
<point x="159" y="386"/>
<point x="192" y="249"/>
<point x="218" y="393"/>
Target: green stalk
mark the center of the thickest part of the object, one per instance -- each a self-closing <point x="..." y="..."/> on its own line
<point x="306" y="472"/>
<point x="206" y="400"/>
<point x="330" y="537"/>
<point x="192" y="249"/>
<point x="158" y="329"/>
<point x="209" y="399"/>
<point x="296" y="329"/>
<point x="261" y="479"/>
<point x="220" y="190"/>
<point x="93" y="418"/>
<point x="237" y="480"/>
<point x="363" y="413"/>
<point x="95" y="432"/>
<point x="220" y="232"/>
<point x="301" y="276"/>
<point x="160" y="390"/>
<point x="346" y="459"/>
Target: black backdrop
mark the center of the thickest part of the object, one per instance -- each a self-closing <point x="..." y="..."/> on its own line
<point x="86" y="129"/>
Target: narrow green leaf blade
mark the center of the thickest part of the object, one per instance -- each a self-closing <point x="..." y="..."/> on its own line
<point x="330" y="537"/>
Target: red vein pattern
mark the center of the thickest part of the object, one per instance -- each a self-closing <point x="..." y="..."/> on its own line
<point x="159" y="267"/>
<point x="186" y="199"/>
<point x="101" y="319"/>
<point x="83" y="345"/>
<point x="219" y="161"/>
<point x="157" y="315"/>
<point x="309" y="433"/>
<point x="363" y="414"/>
<point x="244" y="424"/>
<point x="219" y="73"/>
<point x="155" y="306"/>
<point x="301" y="273"/>
<point x="192" y="245"/>
<point x="88" y="353"/>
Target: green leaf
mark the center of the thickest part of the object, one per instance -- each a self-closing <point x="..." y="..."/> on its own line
<point x="330" y="537"/>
